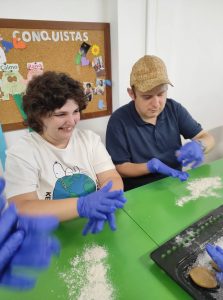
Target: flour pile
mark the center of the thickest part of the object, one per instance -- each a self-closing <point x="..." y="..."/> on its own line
<point x="87" y="277"/>
<point x="204" y="187"/>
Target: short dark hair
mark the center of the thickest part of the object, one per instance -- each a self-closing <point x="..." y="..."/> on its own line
<point x="48" y="92"/>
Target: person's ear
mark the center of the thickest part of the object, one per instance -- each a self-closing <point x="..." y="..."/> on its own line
<point x="131" y="93"/>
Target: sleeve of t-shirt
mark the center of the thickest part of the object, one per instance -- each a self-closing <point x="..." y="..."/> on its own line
<point x="116" y="141"/>
<point x="101" y="159"/>
<point x="20" y="174"/>
<point x="187" y="125"/>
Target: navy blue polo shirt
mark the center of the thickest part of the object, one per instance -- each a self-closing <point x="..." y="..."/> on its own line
<point x="130" y="139"/>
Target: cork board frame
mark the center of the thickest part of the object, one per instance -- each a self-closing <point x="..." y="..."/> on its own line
<point x="28" y="47"/>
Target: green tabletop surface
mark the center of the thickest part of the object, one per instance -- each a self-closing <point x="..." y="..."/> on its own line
<point x="153" y="206"/>
<point x="130" y="271"/>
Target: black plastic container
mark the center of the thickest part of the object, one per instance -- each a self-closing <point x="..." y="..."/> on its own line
<point x="179" y="254"/>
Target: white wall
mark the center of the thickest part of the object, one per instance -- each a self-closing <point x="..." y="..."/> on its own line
<point x="187" y="34"/>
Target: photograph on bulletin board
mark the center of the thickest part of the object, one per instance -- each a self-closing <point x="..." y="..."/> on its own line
<point x="30" y="47"/>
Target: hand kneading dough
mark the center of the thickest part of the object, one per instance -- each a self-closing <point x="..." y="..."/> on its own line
<point x="215" y="266"/>
<point x="203" y="277"/>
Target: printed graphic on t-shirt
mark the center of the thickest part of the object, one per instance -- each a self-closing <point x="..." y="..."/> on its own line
<point x="71" y="183"/>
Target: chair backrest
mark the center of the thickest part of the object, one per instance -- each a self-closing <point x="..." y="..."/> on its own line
<point x="217" y="151"/>
<point x="2" y="149"/>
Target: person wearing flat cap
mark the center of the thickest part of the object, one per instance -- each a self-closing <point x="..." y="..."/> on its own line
<point x="144" y="136"/>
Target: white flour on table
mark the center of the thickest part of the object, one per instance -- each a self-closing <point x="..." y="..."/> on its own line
<point x="87" y="278"/>
<point x="184" y="240"/>
<point x="204" y="187"/>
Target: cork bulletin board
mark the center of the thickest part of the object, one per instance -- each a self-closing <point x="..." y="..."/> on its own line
<point x="30" y="47"/>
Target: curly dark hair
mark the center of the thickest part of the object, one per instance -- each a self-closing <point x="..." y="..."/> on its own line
<point x="48" y="92"/>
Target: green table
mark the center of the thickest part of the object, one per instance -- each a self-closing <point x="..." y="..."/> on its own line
<point x="150" y="217"/>
<point x="153" y="206"/>
<point x="132" y="273"/>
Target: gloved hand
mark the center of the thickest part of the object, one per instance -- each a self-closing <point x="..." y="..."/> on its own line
<point x="24" y="241"/>
<point x="216" y="253"/>
<point x="97" y="225"/>
<point x="156" y="166"/>
<point x="39" y="245"/>
<point x="190" y="153"/>
<point x="98" y="204"/>
<point x="2" y="200"/>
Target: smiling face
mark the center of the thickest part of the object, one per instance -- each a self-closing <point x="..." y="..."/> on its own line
<point x="59" y="125"/>
<point x="151" y="103"/>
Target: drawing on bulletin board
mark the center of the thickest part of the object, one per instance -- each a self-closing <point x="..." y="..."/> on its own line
<point x="30" y="47"/>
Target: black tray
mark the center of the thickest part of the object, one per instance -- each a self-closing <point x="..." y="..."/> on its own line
<point x="178" y="255"/>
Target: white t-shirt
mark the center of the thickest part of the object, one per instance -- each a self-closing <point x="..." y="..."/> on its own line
<point x="36" y="165"/>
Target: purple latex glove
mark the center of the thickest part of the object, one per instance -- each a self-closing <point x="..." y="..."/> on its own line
<point x="190" y="153"/>
<point x="96" y="225"/>
<point x="2" y="200"/>
<point x="156" y="166"/>
<point x="24" y="241"/>
<point x="216" y="253"/>
<point x="98" y="204"/>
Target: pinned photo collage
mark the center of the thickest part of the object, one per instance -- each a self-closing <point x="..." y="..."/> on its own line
<point x="98" y="88"/>
<point x="91" y="89"/>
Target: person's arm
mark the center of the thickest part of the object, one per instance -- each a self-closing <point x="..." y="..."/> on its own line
<point x="95" y="205"/>
<point x="206" y="139"/>
<point x="129" y="169"/>
<point x="63" y="209"/>
<point x="29" y="204"/>
<point x="110" y="175"/>
<point x="154" y="165"/>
